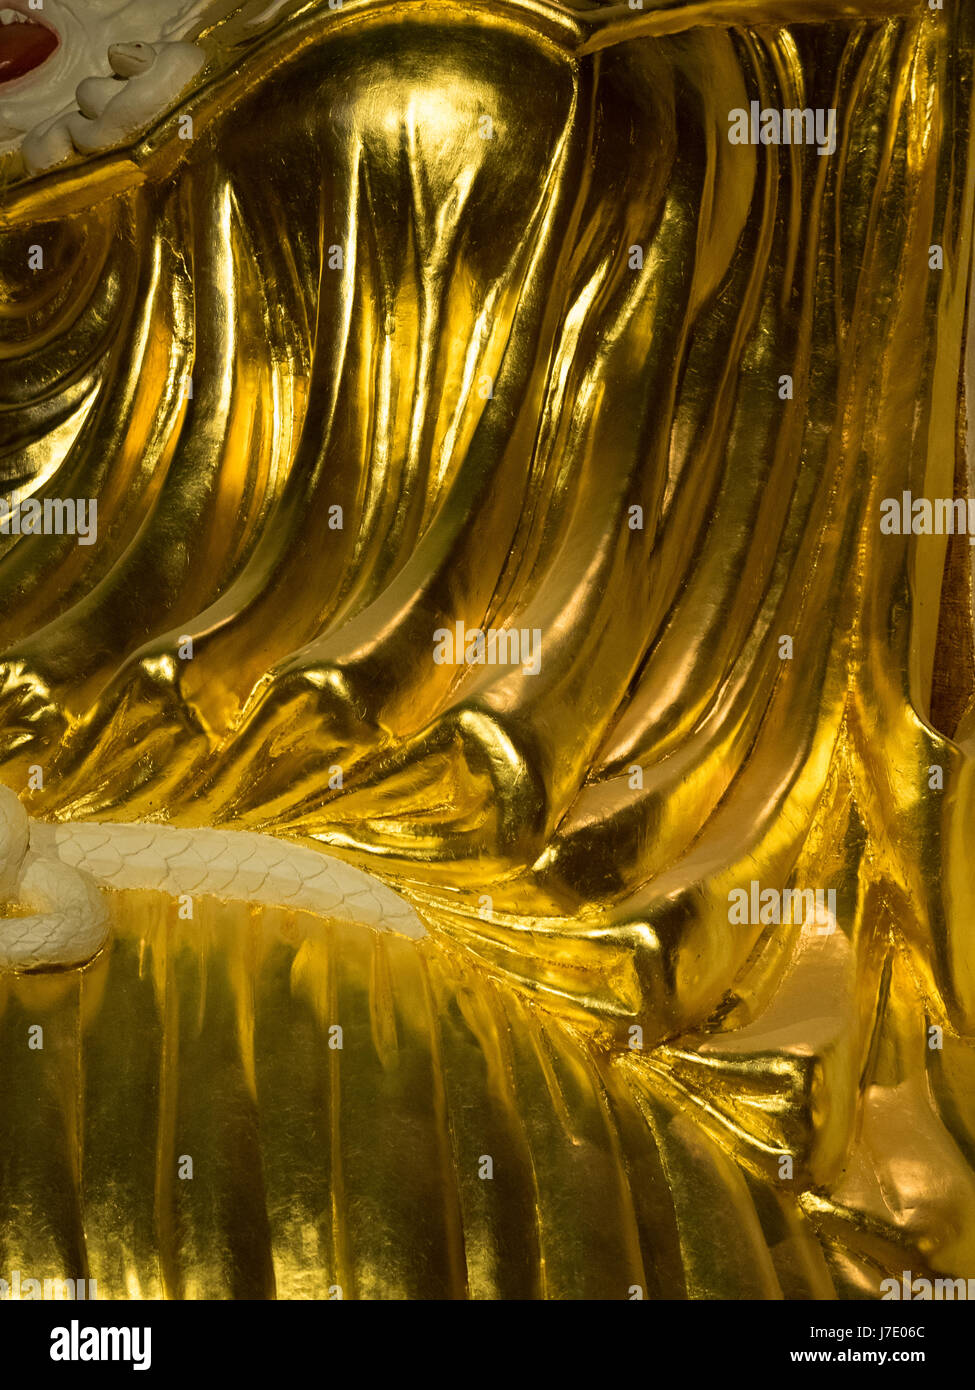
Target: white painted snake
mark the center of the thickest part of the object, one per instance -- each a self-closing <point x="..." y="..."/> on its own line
<point x="52" y="875"/>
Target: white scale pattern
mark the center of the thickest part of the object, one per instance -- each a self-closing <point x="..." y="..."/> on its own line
<point x="54" y="871"/>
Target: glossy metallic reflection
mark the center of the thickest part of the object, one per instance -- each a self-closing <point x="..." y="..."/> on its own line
<point x="388" y="304"/>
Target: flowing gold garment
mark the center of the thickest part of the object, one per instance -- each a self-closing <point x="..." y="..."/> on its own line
<point x="462" y="313"/>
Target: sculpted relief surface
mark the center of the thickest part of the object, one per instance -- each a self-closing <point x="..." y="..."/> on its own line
<point x="487" y="701"/>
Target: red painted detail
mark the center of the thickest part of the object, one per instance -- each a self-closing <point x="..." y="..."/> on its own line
<point x="23" y="47"/>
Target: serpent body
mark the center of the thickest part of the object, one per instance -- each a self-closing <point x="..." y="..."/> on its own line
<point x="52" y="876"/>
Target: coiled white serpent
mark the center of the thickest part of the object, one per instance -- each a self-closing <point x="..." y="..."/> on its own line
<point x="51" y="876"/>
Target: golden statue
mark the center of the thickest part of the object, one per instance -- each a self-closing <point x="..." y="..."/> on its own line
<point x="487" y="650"/>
